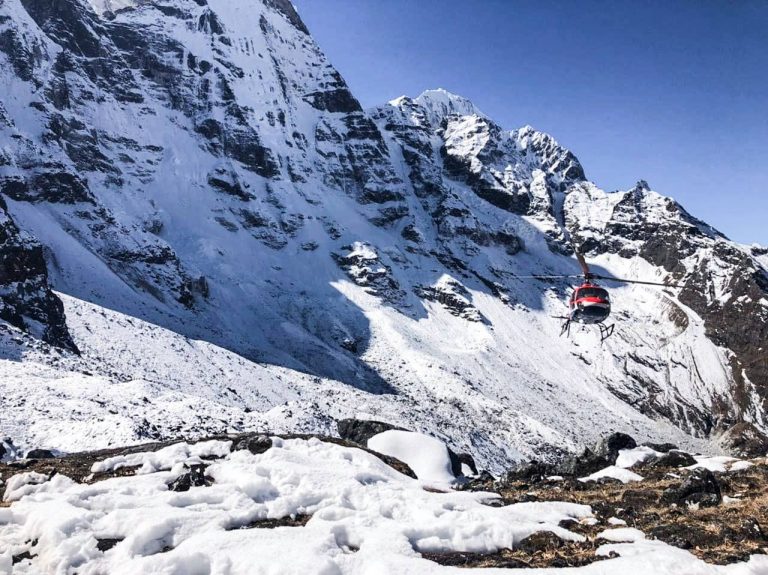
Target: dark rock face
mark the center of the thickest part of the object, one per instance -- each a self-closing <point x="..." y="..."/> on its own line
<point x="608" y="448"/>
<point x="533" y="471"/>
<point x="700" y="487"/>
<point x="26" y="299"/>
<point x="195" y="477"/>
<point x="54" y="187"/>
<point x="40" y="454"/>
<point x="581" y="465"/>
<point x="360" y="431"/>
<point x="257" y="445"/>
<point x="364" y="266"/>
<point x="745" y="440"/>
<point x="454" y="297"/>
<point x="287" y="9"/>
<point x="674" y="458"/>
<point x="459" y="459"/>
<point x="338" y="100"/>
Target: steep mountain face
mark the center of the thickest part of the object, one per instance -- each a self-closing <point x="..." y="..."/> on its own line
<point x="197" y="169"/>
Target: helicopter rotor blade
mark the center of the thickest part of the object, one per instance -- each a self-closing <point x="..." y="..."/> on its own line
<point x="621" y="280"/>
<point x="547" y="277"/>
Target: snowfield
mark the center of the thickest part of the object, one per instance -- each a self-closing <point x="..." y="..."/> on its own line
<point x="365" y="518"/>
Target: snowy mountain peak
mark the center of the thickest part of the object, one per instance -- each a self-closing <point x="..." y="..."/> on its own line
<point x="441" y="103"/>
<point x="642" y="185"/>
<point x="102" y="7"/>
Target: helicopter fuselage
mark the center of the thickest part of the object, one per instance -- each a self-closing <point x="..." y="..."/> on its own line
<point x="589" y="304"/>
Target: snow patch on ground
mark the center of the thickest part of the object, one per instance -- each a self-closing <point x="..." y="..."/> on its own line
<point x="366" y="518"/>
<point x="355" y="500"/>
<point x="719" y="463"/>
<point x="622" y="535"/>
<point x="630" y="457"/>
<point x="152" y="461"/>
<point x="426" y="456"/>
<point x="614" y="472"/>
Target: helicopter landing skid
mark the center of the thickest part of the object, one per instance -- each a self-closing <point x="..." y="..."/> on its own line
<point x="606" y="331"/>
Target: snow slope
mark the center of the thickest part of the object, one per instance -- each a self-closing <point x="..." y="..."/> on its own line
<point x="136" y="381"/>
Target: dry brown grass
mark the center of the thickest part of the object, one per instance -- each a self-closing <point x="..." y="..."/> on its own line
<point x="724" y="534"/>
<point x="728" y="533"/>
<point x="571" y="554"/>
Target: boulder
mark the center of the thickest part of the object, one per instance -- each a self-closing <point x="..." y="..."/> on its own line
<point x="608" y="448"/>
<point x="40" y="454"/>
<point x="256" y="444"/>
<point x="195" y="477"/>
<point x="745" y="440"/>
<point x="533" y="471"/>
<point x="674" y="458"/>
<point x="700" y="487"/>
<point x="585" y="464"/>
<point x="602" y="455"/>
<point x="459" y="459"/>
<point x="483" y="481"/>
<point x="360" y="430"/>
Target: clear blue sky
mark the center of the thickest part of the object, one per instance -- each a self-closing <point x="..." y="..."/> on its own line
<point x="674" y="92"/>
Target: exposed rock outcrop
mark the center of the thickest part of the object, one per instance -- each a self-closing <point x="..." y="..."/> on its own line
<point x="26" y="299"/>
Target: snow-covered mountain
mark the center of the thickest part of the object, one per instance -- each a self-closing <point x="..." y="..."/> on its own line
<point x="237" y="245"/>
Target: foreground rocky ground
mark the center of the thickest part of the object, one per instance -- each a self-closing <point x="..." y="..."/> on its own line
<point x="716" y="508"/>
<point x="729" y="527"/>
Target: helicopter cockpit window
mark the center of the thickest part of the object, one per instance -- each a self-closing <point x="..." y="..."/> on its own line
<point x="593" y="292"/>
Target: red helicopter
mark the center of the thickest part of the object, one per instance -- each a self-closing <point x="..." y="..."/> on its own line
<point x="590" y="304"/>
